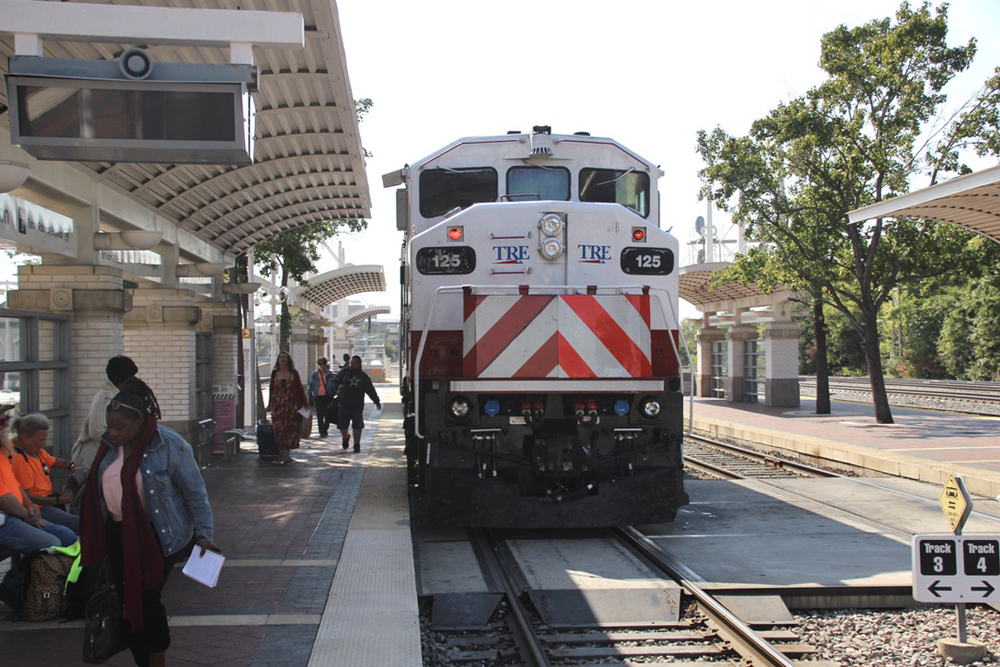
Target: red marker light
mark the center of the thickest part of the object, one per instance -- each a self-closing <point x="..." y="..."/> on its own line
<point x="638" y="234"/>
<point x="455" y="233"/>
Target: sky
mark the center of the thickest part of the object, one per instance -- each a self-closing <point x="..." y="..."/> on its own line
<point x="647" y="73"/>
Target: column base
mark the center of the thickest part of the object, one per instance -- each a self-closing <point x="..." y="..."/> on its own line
<point x="783" y="393"/>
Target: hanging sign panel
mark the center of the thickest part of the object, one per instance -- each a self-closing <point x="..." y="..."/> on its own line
<point x="36" y="229"/>
<point x="133" y="111"/>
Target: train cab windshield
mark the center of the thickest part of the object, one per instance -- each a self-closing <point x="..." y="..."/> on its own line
<point x="538" y="183"/>
<point x="627" y="187"/>
<point x="442" y="190"/>
<point x="445" y="189"/>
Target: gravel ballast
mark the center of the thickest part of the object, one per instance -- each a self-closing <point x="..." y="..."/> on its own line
<point x="880" y="638"/>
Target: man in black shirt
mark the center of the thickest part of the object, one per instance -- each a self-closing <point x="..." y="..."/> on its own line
<point x="354" y="385"/>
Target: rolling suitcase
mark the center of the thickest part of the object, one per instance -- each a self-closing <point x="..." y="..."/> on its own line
<point x="266" y="444"/>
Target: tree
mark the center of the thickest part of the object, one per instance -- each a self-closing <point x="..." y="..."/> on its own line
<point x="850" y="142"/>
<point x="293" y="254"/>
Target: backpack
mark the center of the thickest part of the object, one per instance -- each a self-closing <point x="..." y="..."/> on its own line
<point x="45" y="586"/>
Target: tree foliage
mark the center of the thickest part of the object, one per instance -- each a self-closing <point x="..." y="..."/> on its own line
<point x="293" y="254"/>
<point x="858" y="138"/>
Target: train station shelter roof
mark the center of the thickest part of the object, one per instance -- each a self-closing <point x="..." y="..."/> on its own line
<point x="971" y="201"/>
<point x="695" y="288"/>
<point x="308" y="165"/>
<point x="363" y="315"/>
<point x="338" y="284"/>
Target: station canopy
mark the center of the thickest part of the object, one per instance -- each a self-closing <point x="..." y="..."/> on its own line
<point x="971" y="201"/>
<point x="695" y="288"/>
<point x="338" y="284"/>
<point x="363" y="315"/>
<point x="309" y="164"/>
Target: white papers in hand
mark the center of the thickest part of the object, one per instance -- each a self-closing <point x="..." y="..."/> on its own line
<point x="204" y="568"/>
<point x="305" y="413"/>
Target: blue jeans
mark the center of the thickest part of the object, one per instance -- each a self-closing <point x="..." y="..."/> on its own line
<point x="27" y="539"/>
<point x="60" y="517"/>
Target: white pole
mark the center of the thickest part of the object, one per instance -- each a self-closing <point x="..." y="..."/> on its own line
<point x="709" y="235"/>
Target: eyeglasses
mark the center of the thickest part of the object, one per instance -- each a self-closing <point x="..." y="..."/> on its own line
<point x="118" y="405"/>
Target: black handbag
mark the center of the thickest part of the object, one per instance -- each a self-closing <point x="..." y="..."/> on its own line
<point x="104" y="632"/>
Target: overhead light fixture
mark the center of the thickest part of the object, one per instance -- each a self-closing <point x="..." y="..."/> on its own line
<point x="13" y="174"/>
<point x="240" y="288"/>
<point x="133" y="239"/>
<point x="201" y="269"/>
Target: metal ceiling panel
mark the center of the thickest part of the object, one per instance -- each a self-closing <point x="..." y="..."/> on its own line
<point x="309" y="164"/>
<point x="694" y="284"/>
<point x="363" y="315"/>
<point x="971" y="201"/>
<point x="333" y="286"/>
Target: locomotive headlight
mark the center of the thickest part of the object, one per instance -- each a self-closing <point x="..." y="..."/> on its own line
<point x="551" y="249"/>
<point x="551" y="224"/>
<point x="651" y="408"/>
<point x="460" y="408"/>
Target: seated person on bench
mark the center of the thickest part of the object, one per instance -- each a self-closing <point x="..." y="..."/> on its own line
<point x="33" y="468"/>
<point x="23" y="528"/>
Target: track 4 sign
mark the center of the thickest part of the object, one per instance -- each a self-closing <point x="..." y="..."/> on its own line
<point x="956" y="568"/>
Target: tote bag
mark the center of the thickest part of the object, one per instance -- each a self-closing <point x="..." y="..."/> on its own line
<point x="103" y="629"/>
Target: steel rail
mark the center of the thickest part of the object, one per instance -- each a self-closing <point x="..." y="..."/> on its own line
<point x="750" y="645"/>
<point x="524" y="633"/>
<point x="770" y="459"/>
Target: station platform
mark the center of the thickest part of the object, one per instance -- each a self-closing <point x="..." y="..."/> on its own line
<point x="319" y="567"/>
<point x="921" y="445"/>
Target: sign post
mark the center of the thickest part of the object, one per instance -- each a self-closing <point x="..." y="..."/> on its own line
<point x="957" y="568"/>
<point x="957" y="505"/>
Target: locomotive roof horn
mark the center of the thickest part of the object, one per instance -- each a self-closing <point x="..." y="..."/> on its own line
<point x="541" y="141"/>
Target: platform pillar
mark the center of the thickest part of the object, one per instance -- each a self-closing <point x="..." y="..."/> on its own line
<point x="736" y="336"/>
<point x="160" y="338"/>
<point x="93" y="299"/>
<point x="706" y="336"/>
<point x="781" y="353"/>
<point x="307" y="345"/>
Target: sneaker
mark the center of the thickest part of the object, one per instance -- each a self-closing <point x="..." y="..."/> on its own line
<point x="357" y="449"/>
<point x="346" y="443"/>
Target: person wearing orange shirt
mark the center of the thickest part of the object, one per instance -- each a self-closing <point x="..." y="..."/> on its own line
<point x="22" y="527"/>
<point x="32" y="466"/>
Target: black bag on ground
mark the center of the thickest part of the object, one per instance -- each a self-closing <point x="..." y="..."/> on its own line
<point x="104" y="632"/>
<point x="266" y="444"/>
<point x="45" y="586"/>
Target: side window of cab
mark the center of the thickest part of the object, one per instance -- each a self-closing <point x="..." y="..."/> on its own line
<point x="443" y="190"/>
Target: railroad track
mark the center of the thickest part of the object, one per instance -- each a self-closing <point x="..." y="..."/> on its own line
<point x="519" y="633"/>
<point x="731" y="461"/>
<point x="949" y="395"/>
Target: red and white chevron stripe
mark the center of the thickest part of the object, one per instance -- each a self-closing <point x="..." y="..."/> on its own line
<point x="557" y="336"/>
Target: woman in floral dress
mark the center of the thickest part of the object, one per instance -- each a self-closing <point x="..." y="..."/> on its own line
<point x="286" y="397"/>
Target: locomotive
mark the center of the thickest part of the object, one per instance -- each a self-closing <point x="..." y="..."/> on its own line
<point x="540" y="370"/>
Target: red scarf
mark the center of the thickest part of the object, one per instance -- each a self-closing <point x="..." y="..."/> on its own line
<point x="143" y="555"/>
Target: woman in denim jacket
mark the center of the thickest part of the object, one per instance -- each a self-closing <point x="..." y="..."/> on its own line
<point x="144" y="502"/>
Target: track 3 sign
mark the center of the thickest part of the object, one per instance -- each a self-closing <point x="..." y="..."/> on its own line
<point x="956" y="568"/>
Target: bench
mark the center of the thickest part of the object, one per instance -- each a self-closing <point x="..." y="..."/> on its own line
<point x="227" y="442"/>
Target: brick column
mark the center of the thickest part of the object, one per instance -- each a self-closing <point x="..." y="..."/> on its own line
<point x="222" y="321"/>
<point x="302" y="347"/>
<point x="706" y="336"/>
<point x="93" y="298"/>
<point x="160" y="338"/>
<point x="781" y="349"/>
<point x="736" y="335"/>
